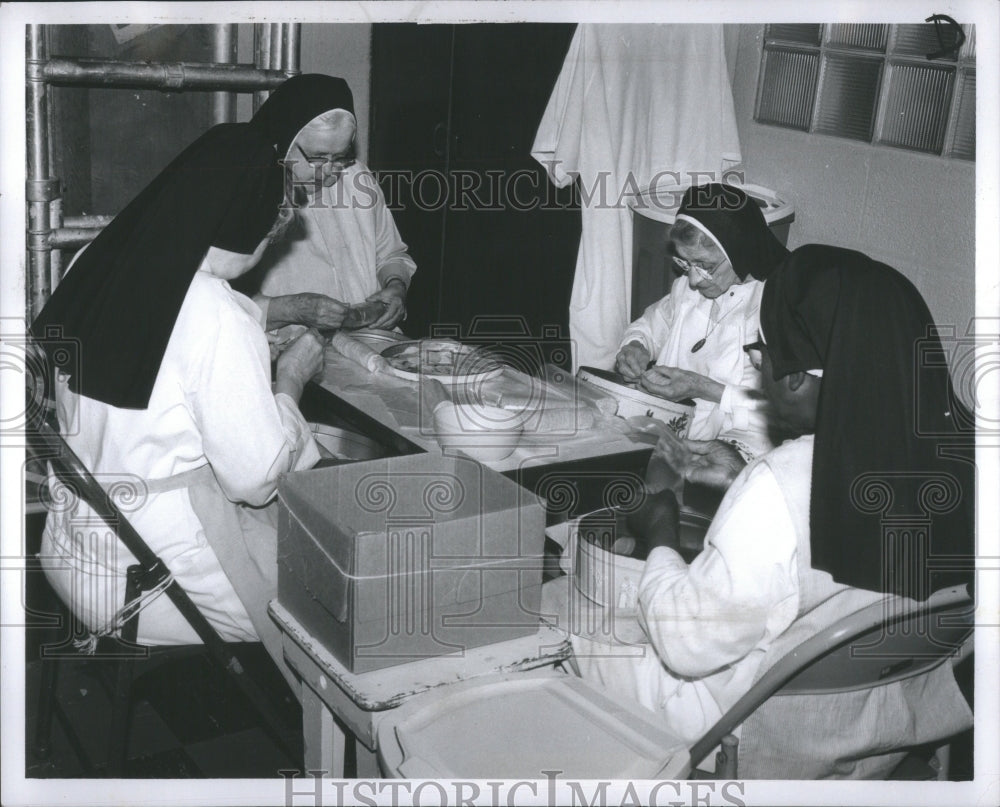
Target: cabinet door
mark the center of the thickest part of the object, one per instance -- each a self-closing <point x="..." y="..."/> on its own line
<point x="454" y="114"/>
<point x="408" y="140"/>
<point x="510" y="248"/>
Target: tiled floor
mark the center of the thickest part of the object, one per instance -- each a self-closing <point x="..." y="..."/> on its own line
<point x="188" y="720"/>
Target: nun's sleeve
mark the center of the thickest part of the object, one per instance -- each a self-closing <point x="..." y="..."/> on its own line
<point x="741" y="589"/>
<point x="653" y="327"/>
<point x="392" y="260"/>
<point x="249" y="435"/>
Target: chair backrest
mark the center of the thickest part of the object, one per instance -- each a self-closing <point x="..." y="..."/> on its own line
<point x="886" y="641"/>
<point x="47" y="445"/>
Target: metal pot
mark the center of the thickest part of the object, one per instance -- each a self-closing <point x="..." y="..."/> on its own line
<point x="342" y="444"/>
<point x="611" y="554"/>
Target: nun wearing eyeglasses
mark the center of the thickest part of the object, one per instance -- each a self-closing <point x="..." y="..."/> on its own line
<point x="723" y="250"/>
<point x="345" y="249"/>
<point x="810" y="532"/>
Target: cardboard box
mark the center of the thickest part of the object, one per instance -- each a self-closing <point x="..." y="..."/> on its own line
<point x="404" y="558"/>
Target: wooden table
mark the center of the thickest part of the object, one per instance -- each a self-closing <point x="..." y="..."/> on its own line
<point x="336" y="701"/>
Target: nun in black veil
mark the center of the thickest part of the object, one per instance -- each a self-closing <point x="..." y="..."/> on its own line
<point x="871" y="501"/>
<point x="723" y="251"/>
<point x="173" y="394"/>
<point x="346" y="260"/>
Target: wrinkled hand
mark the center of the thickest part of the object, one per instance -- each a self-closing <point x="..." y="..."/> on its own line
<point x="672" y="383"/>
<point x="298" y="363"/>
<point x="319" y="311"/>
<point x="706" y="462"/>
<point x="631" y="361"/>
<point x="394" y="297"/>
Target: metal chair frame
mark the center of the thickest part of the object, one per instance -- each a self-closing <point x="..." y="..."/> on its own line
<point x="816" y="665"/>
<point x="46" y="445"/>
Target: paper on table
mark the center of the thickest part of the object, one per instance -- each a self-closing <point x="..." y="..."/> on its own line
<point x="359" y="353"/>
<point x="567" y="385"/>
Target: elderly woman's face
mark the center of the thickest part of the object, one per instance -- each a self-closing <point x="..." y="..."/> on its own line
<point x="323" y="150"/>
<point x="708" y="270"/>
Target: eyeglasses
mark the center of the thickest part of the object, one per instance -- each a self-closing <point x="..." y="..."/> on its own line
<point x="334" y="162"/>
<point x="687" y="267"/>
<point x="755" y="350"/>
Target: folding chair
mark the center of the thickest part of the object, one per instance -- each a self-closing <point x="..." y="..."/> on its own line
<point x="870" y="647"/>
<point x="46" y="445"/>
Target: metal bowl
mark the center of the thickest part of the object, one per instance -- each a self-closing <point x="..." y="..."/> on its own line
<point x="611" y="553"/>
<point x="447" y="360"/>
<point x="376" y="338"/>
<point x="621" y="532"/>
<point x="343" y="444"/>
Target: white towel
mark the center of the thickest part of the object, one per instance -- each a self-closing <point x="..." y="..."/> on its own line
<point x="631" y="101"/>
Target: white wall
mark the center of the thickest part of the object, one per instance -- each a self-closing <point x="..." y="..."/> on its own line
<point x="913" y="211"/>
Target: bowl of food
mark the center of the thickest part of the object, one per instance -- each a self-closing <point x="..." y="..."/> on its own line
<point x="447" y="360"/>
<point x="485" y="433"/>
<point x="634" y="402"/>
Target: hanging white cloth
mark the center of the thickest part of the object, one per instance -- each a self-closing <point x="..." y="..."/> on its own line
<point x="633" y="104"/>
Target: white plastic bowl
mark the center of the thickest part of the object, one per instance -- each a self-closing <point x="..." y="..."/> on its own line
<point x="485" y="433"/>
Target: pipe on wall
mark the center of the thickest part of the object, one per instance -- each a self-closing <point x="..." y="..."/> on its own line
<point x="262" y="57"/>
<point x="167" y="76"/>
<point x="224" y="52"/>
<point x="276" y="57"/>
<point x="41" y="188"/>
<point x="293" y="49"/>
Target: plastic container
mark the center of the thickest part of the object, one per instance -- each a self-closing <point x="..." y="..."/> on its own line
<point x="633" y="402"/>
<point x="523" y="726"/>
<point x="405" y="558"/>
<point x="485" y="433"/>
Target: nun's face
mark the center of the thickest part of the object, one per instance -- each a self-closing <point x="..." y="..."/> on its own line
<point x="794" y="398"/>
<point x="708" y="271"/>
<point x="320" y="153"/>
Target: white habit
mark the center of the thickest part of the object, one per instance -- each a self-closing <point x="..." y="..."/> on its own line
<point x="670" y="327"/>
<point x="344" y="244"/>
<point x="716" y="625"/>
<point x="213" y="433"/>
<point x="633" y="105"/>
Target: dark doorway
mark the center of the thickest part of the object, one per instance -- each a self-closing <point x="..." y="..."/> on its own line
<point x="455" y="109"/>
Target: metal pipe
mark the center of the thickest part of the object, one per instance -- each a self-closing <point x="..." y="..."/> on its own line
<point x="277" y="45"/>
<point x="40" y="188"/>
<point x="293" y="50"/>
<point x="167" y="76"/>
<point x="72" y="237"/>
<point x="55" y="256"/>
<point x="224" y="41"/>
<point x="261" y="57"/>
<point x="87" y="222"/>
